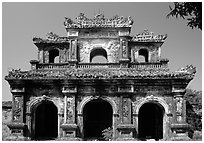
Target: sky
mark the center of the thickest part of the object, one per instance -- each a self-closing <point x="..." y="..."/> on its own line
<point x="23" y="21"/>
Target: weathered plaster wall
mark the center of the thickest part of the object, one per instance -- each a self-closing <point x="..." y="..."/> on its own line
<point x="110" y="45"/>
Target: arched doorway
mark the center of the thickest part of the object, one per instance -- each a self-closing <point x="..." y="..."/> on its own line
<point x="150" y="121"/>
<point x="44" y="121"/>
<point x="97" y="116"/>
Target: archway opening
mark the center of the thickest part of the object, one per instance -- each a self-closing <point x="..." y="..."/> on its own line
<point x="98" y="55"/>
<point x="45" y="122"/>
<point x="54" y="56"/>
<point x="97" y="115"/>
<point x="150" y="121"/>
<point x="143" y="55"/>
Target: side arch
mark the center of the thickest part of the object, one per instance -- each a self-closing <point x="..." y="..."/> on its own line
<point x="38" y="100"/>
<point x="151" y="99"/>
<point x="158" y="101"/>
<point x="33" y="104"/>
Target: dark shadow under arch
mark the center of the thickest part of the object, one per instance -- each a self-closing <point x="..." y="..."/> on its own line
<point x="150" y="121"/>
<point x="98" y="52"/>
<point x="44" y="121"/>
<point x="144" y="53"/>
<point x="97" y="116"/>
<point x="54" y="56"/>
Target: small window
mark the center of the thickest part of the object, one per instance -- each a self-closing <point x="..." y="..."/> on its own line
<point x="98" y="55"/>
<point x="54" y="56"/>
<point x="143" y="55"/>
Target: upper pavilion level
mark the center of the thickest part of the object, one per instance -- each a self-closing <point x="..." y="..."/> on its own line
<point x="101" y="46"/>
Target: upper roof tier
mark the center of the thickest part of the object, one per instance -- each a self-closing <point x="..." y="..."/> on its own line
<point x="98" y="21"/>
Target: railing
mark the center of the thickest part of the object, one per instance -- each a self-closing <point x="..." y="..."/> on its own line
<point x="148" y="65"/>
<point x="53" y="66"/>
<point x="100" y="65"/>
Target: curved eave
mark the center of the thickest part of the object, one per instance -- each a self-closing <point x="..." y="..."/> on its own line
<point x="57" y="77"/>
<point x="47" y="44"/>
<point x="158" y="43"/>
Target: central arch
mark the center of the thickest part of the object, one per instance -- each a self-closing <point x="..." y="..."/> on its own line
<point x="44" y="121"/>
<point x="97" y="115"/>
<point x="150" y="121"/>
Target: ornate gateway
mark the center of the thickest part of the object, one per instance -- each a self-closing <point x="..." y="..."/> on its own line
<point x="99" y="83"/>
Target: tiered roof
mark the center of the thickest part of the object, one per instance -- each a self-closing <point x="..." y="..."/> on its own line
<point x="78" y="73"/>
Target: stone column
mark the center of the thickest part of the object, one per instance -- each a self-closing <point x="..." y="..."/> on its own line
<point x="17" y="125"/>
<point x="179" y="125"/>
<point x="69" y="126"/>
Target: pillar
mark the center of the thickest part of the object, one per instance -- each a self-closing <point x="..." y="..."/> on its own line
<point x="17" y="125"/>
<point x="179" y="126"/>
<point x="69" y="126"/>
<point x="125" y="128"/>
<point x="73" y="52"/>
<point x="124" y="53"/>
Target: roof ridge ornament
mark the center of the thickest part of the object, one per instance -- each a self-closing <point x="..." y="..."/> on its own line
<point x="146" y="36"/>
<point x="98" y="21"/>
<point x="190" y="69"/>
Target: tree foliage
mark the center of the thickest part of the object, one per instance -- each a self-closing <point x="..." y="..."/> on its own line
<point x="190" y="10"/>
<point x="194" y="110"/>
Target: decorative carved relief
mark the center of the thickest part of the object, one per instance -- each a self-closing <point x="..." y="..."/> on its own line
<point x="125" y="110"/>
<point x="70" y="111"/>
<point x="179" y="103"/>
<point x="17" y="108"/>
<point x="124" y="49"/>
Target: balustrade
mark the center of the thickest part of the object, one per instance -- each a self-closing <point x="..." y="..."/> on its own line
<point x="99" y="65"/>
